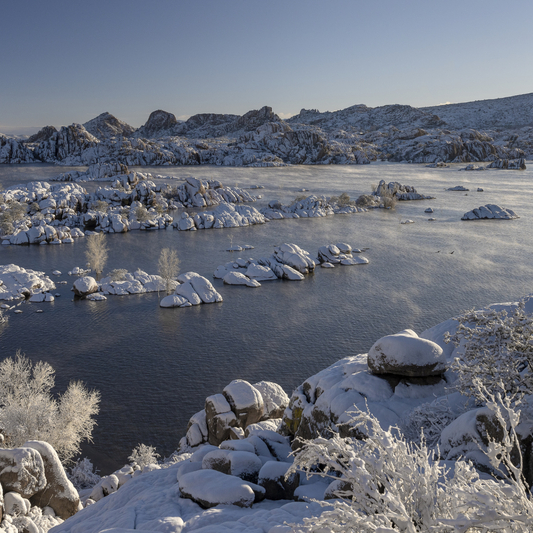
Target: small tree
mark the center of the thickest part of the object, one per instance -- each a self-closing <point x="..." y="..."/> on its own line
<point x="96" y="252"/>
<point x="141" y="213"/>
<point x="168" y="266"/>
<point x="118" y="274"/>
<point x="28" y="411"/>
<point x="143" y="455"/>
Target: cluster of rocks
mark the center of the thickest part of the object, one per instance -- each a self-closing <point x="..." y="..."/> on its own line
<point x="459" y="188"/>
<point x="35" y="493"/>
<point x="18" y="283"/>
<point x="191" y="289"/>
<point x="340" y="253"/>
<point x="398" y="191"/>
<point x="138" y="282"/>
<point x="516" y="164"/>
<point x="399" y="372"/>
<point x="43" y="213"/>
<point x="288" y="261"/>
<point x="490" y="211"/>
<point x="238" y="458"/>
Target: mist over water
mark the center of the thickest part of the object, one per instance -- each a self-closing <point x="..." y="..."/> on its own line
<point x="154" y="367"/>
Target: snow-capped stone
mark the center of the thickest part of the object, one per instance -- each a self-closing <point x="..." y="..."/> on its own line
<point x="490" y="211"/>
<point x="17" y="282"/>
<point x="16" y="505"/>
<point x="408" y="221"/>
<point x="85" y="285"/>
<point x="236" y="278"/>
<point x="398" y="191"/>
<point x="428" y="210"/>
<point x="275" y="399"/>
<point x="96" y="297"/>
<point x="517" y="164"/>
<point x="260" y="272"/>
<point x="245" y="401"/>
<point x="458" y="188"/>
<point x="293" y="256"/>
<point x="327" y="265"/>
<point x="406" y="354"/>
<point x="358" y="260"/>
<point x="203" y="287"/>
<point x="209" y="488"/>
<point x="22" y="471"/>
<point x="174" y="300"/>
<point x="272" y="479"/>
<point x="59" y="493"/>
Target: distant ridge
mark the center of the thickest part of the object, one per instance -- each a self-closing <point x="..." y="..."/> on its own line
<point x="511" y="112"/>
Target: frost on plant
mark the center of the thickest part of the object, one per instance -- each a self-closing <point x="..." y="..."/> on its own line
<point x="83" y="474"/>
<point x="28" y="410"/>
<point x="96" y="252"/>
<point x="494" y="347"/>
<point x="168" y="266"/>
<point x="390" y="485"/>
<point x="143" y="455"/>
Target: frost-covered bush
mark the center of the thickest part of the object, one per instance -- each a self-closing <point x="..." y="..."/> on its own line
<point x="143" y="455"/>
<point x="117" y="274"/>
<point x="83" y="474"/>
<point x="431" y="418"/>
<point x="494" y="347"/>
<point x="168" y="266"/>
<point x="141" y="213"/>
<point x="11" y="213"/>
<point x="394" y="486"/>
<point x="28" y="411"/>
<point x="96" y="252"/>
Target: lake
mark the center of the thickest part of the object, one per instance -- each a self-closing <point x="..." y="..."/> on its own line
<point x="154" y="367"/>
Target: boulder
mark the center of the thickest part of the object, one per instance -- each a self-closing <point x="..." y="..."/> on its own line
<point x="275" y="399"/>
<point x="174" y="300"/>
<point x="202" y="286"/>
<point x="406" y="354"/>
<point x="245" y="401"/>
<point x="59" y="493"/>
<point x="272" y="479"/>
<point x="236" y="278"/>
<point x="16" y="505"/>
<point x="219" y="418"/>
<point x="84" y="286"/>
<point x="209" y="488"/>
<point x="22" y="470"/>
<point x="490" y="211"/>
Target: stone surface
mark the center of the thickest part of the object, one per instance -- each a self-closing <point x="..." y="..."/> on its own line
<point x="406" y="354"/>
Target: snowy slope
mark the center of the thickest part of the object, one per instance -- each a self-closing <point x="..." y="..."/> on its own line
<point x="512" y="112"/>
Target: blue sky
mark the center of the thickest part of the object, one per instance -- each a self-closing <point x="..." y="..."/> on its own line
<point x="64" y="61"/>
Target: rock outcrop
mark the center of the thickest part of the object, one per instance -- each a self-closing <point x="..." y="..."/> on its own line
<point x="490" y="211"/>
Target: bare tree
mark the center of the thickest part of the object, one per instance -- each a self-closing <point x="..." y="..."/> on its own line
<point x="168" y="266"/>
<point x="96" y="252"/>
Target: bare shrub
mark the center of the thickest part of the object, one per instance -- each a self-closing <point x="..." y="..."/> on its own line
<point x="299" y="198"/>
<point x="96" y="252"/>
<point x="13" y="212"/>
<point x="365" y="200"/>
<point x="389" y="202"/>
<point x="100" y="206"/>
<point x="83" y="475"/>
<point x="344" y="199"/>
<point x="168" y="266"/>
<point x="141" y="213"/>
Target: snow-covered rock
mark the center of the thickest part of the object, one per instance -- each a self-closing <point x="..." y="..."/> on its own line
<point x="17" y="282"/>
<point x="85" y="285"/>
<point x="236" y="278"/>
<point x="490" y="211"/>
<point x="406" y="354"/>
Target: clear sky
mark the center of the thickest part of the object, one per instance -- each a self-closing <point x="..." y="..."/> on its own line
<point x="64" y="61"/>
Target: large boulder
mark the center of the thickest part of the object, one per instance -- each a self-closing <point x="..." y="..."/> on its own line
<point x="490" y="211"/>
<point x="209" y="488"/>
<point x="84" y="286"/>
<point x="406" y="354"/>
<point x="277" y="486"/>
<point x="59" y="493"/>
<point x="275" y="399"/>
<point x="22" y="470"/>
<point x="245" y="401"/>
<point x="219" y="418"/>
<point x="203" y="287"/>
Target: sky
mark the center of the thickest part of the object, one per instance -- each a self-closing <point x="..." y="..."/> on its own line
<point x="65" y="61"/>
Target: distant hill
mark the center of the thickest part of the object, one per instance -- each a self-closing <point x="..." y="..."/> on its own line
<point x="513" y="112"/>
<point x="106" y="125"/>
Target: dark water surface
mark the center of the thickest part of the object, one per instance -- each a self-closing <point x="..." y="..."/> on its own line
<point x="154" y="367"/>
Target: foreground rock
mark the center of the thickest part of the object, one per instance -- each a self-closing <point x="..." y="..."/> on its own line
<point x="85" y="286"/>
<point x="490" y="211"/>
<point x="406" y="354"/>
<point x="340" y="253"/>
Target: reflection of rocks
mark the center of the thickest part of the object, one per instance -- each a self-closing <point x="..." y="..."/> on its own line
<point x="490" y="211"/>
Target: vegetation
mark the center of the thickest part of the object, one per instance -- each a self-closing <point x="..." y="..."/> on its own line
<point x="96" y="252"/>
<point x="118" y="274"/>
<point x="29" y="411"/>
<point x="12" y="212"/>
<point x="143" y="455"/>
<point x="168" y="266"/>
<point x="141" y="213"/>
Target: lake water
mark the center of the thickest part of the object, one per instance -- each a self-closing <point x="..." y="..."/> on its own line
<point x="154" y="367"/>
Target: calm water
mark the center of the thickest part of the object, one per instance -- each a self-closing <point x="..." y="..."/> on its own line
<point x="154" y="367"/>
